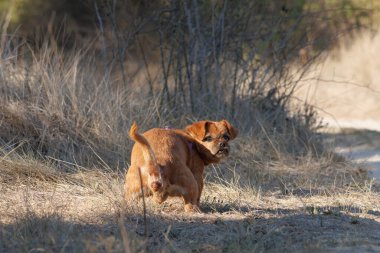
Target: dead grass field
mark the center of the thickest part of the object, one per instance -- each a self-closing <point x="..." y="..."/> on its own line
<point x="64" y="150"/>
<point x="326" y="205"/>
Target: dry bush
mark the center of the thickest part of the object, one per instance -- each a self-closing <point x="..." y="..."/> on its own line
<point x="74" y="107"/>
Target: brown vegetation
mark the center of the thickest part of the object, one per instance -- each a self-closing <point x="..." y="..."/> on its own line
<point x="65" y="111"/>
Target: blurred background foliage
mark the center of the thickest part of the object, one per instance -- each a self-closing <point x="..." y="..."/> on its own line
<point x="317" y="22"/>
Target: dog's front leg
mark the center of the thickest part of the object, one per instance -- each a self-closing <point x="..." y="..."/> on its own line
<point x="199" y="178"/>
<point x="185" y="179"/>
<point x="191" y="197"/>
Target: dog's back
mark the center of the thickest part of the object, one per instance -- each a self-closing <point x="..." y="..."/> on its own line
<point x="168" y="145"/>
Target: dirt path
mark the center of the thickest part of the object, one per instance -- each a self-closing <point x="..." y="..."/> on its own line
<point x="362" y="146"/>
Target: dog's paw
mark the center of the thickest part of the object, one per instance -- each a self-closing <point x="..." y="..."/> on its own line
<point x="190" y="208"/>
<point x="160" y="197"/>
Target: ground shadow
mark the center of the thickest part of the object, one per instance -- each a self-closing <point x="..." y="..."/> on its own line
<point x="270" y="230"/>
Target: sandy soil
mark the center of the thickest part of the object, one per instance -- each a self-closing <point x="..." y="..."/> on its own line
<point x="361" y="146"/>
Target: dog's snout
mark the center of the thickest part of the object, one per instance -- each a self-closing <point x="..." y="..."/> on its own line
<point x="222" y="145"/>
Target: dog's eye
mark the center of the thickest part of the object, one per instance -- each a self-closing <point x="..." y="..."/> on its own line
<point x="226" y="137"/>
<point x="207" y="138"/>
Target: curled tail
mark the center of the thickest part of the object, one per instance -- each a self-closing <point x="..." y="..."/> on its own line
<point x="154" y="174"/>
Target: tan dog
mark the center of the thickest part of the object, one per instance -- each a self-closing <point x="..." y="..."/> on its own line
<point x="172" y="161"/>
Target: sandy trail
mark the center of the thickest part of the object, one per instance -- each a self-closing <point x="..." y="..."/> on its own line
<point x="344" y="88"/>
<point x="362" y="146"/>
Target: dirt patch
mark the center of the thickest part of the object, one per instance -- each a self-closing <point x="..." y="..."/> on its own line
<point x="361" y="146"/>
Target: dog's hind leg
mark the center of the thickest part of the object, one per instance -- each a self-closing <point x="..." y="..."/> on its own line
<point x="134" y="185"/>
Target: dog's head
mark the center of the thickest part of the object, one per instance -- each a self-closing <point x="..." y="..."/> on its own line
<point x="214" y="136"/>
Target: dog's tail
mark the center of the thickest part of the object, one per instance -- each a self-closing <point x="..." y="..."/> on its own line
<point x="154" y="178"/>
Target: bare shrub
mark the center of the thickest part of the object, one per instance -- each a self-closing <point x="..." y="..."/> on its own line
<point x="178" y="62"/>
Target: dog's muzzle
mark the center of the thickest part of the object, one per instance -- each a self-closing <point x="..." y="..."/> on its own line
<point x="223" y="150"/>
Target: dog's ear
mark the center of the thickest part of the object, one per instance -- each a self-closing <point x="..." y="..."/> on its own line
<point x="198" y="130"/>
<point x="231" y="130"/>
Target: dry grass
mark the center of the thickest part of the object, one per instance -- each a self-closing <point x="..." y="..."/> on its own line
<point x="61" y="189"/>
<point x="64" y="150"/>
<point x="310" y="206"/>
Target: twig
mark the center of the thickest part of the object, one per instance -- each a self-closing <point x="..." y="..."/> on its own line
<point x="101" y="27"/>
<point x="144" y="206"/>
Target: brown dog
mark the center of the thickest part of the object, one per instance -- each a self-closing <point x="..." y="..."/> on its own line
<point x="170" y="162"/>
